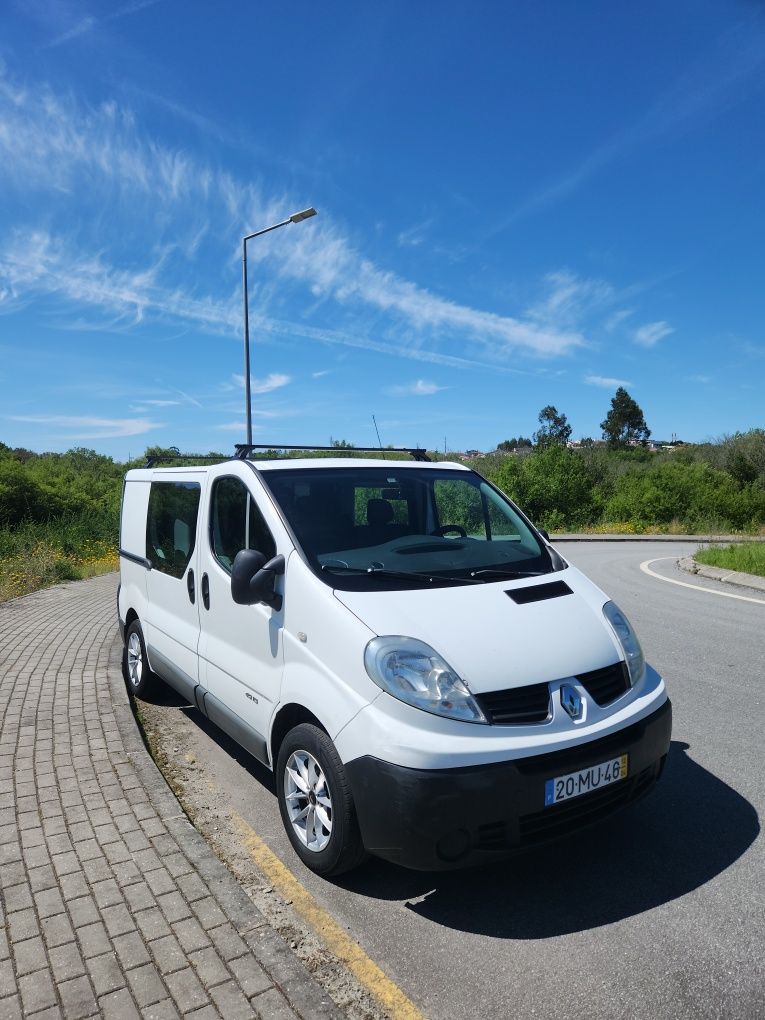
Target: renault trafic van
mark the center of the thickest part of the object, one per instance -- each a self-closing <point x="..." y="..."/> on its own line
<point x="429" y="679"/>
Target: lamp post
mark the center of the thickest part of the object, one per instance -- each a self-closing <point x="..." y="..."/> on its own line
<point x="294" y="218"/>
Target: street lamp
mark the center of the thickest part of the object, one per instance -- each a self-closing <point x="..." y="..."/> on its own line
<point x="294" y="218"/>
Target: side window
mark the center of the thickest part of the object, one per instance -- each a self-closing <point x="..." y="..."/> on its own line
<point x="236" y="523"/>
<point x="502" y="527"/>
<point x="459" y="503"/>
<point x="171" y="525"/>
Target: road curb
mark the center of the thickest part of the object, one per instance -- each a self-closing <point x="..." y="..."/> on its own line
<point x="734" y="577"/>
<point x="699" y="539"/>
<point x="300" y="989"/>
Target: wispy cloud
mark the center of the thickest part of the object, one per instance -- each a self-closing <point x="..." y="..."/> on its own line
<point x="145" y="405"/>
<point x="699" y="378"/>
<point x="274" y="381"/>
<point x="414" y="236"/>
<point x="615" y="320"/>
<point x="421" y="388"/>
<point x="569" y="298"/>
<point x="51" y="142"/>
<point x="650" y="334"/>
<point x="39" y="264"/>
<point x="320" y="375"/>
<point x="607" y="382"/>
<point x="88" y="23"/>
<point x="90" y="428"/>
<point x="236" y="426"/>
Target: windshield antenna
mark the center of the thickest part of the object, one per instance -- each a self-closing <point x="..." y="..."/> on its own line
<point x="377" y="431"/>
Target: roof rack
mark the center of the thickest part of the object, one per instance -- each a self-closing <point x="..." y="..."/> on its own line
<point x="243" y="450"/>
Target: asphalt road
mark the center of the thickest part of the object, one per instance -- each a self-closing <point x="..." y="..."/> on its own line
<point x="658" y="913"/>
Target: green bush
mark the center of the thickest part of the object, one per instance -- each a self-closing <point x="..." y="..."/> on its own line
<point x="555" y="486"/>
<point x="695" y="494"/>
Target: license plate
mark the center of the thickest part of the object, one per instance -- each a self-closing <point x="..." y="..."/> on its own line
<point x="586" y="780"/>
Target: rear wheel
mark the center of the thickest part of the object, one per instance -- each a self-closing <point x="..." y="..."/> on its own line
<point x="316" y="804"/>
<point x="135" y="665"/>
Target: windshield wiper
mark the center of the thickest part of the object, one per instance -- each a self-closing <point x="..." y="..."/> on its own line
<point x="404" y="575"/>
<point x="509" y="573"/>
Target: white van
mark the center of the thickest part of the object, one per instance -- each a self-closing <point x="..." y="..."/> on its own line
<point x="428" y="678"/>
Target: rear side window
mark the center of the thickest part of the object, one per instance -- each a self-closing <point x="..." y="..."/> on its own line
<point x="171" y="525"/>
<point x="236" y="523"/>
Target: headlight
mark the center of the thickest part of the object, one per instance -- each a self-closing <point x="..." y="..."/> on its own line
<point x="633" y="653"/>
<point x="412" y="672"/>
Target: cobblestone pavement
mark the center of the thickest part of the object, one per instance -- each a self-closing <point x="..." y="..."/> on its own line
<point x="112" y="904"/>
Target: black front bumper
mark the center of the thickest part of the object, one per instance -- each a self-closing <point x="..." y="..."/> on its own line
<point x="452" y="818"/>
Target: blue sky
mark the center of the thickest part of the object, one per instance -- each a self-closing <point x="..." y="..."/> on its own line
<point x="519" y="205"/>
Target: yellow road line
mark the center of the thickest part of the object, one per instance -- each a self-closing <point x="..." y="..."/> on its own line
<point x="366" y="971"/>
<point x="646" y="568"/>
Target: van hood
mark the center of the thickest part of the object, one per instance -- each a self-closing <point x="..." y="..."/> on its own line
<point x="491" y="641"/>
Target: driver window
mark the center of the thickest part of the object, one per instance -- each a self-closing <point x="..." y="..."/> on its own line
<point x="236" y="523"/>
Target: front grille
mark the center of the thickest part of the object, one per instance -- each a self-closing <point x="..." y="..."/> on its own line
<point x="492" y="836"/>
<point x="516" y="706"/>
<point x="520" y="705"/>
<point x="574" y="814"/>
<point x="607" y="684"/>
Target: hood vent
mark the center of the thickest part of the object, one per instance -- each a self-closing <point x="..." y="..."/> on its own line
<point x="539" y="592"/>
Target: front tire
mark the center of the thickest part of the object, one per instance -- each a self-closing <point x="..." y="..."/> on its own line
<point x="135" y="664"/>
<point x="316" y="804"/>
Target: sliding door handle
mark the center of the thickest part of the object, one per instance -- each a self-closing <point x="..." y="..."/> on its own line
<point x="190" y="587"/>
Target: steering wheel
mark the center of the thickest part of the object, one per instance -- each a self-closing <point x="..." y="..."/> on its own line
<point x="445" y="529"/>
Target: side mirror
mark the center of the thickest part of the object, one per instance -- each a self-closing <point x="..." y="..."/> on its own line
<point x="252" y="579"/>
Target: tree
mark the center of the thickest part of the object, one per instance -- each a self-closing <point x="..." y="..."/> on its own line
<point x="624" y="425"/>
<point x="554" y="429"/>
<point x="508" y="445"/>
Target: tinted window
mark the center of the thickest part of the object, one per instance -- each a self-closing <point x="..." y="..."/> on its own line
<point x="236" y="523"/>
<point x="459" y="504"/>
<point x="354" y="523"/>
<point x="171" y="525"/>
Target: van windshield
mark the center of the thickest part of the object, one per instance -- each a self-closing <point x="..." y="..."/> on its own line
<point x="370" y="528"/>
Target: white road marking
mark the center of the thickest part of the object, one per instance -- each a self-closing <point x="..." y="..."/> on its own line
<point x="645" y="566"/>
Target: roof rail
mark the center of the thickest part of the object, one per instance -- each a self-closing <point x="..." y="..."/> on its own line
<point x="243" y="450"/>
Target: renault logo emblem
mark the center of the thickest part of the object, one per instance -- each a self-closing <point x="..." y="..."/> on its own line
<point x="571" y="701"/>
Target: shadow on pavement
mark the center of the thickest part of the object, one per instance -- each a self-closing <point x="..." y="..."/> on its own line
<point x="688" y="830"/>
<point x="166" y="697"/>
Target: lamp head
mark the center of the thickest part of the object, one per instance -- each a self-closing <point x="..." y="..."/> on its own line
<point x="304" y="215"/>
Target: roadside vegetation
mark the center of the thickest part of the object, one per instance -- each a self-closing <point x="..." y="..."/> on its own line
<point x="59" y="513"/>
<point x="748" y="557"/>
<point x="59" y="518"/>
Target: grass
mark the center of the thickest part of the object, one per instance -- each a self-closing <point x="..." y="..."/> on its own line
<point x="34" y="556"/>
<point x="748" y="557"/>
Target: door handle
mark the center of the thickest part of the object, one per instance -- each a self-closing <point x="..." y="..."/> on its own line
<point x="206" y="591"/>
<point x="190" y="587"/>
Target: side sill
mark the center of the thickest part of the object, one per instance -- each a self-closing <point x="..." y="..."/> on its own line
<point x="235" y="727"/>
<point x="172" y="675"/>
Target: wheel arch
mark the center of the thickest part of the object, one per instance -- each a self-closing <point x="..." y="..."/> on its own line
<point x="287" y="718"/>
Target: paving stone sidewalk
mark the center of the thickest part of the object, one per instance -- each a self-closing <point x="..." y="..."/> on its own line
<point x="112" y="904"/>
